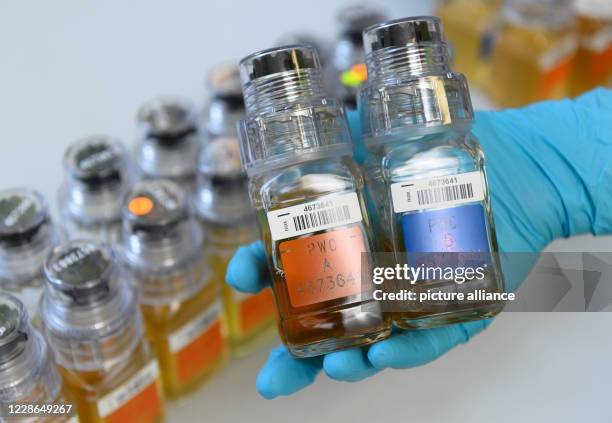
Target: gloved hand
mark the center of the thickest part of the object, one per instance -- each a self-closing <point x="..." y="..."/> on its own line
<point x="549" y="167"/>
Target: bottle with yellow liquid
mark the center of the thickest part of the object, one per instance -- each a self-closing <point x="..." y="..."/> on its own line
<point x="309" y="196"/>
<point x="224" y="209"/>
<point x="470" y="27"/>
<point x="533" y="53"/>
<point x="30" y="385"/>
<point x="180" y="301"/>
<point x="92" y="322"/>
<point x="593" y="62"/>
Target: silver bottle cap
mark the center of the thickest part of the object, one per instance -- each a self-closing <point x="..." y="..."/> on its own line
<point x="14" y="327"/>
<point x="278" y="60"/>
<point x="226" y="106"/>
<point x="80" y="271"/>
<point x="95" y="160"/>
<point x="153" y="205"/>
<point x="22" y="214"/>
<point x="402" y="32"/>
<point x="169" y="141"/>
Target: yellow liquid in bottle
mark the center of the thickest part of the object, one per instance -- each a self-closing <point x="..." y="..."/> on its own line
<point x="250" y="317"/>
<point x="99" y="395"/>
<point x="188" y="336"/>
<point x="468" y="28"/>
<point x="530" y="65"/>
<point x="593" y="62"/>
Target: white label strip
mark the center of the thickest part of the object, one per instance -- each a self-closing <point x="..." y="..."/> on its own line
<point x="190" y="331"/>
<point x="130" y="389"/>
<point x="437" y="192"/>
<point x="313" y="216"/>
<point x="600" y="41"/>
<point x="554" y="56"/>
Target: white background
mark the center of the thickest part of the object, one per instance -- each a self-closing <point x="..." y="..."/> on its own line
<point x="72" y="68"/>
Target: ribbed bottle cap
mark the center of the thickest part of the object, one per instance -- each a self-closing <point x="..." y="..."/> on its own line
<point x="22" y="213"/>
<point x="80" y="269"/>
<point x="402" y="32"/>
<point x="95" y="160"/>
<point x="278" y="60"/>
<point x="155" y="204"/>
<point x="167" y="119"/>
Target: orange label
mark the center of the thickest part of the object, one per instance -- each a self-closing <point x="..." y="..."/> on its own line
<point x="256" y="309"/>
<point x="323" y="267"/>
<point x="198" y="344"/>
<point x="601" y="64"/>
<point x="553" y="80"/>
<point x="138" y="400"/>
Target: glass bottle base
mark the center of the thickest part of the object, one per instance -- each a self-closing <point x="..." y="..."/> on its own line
<point x="416" y="320"/>
<point x="332" y="345"/>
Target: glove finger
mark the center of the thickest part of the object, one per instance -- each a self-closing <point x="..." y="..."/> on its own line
<point x="415" y="348"/>
<point x="247" y="271"/>
<point x="348" y="365"/>
<point x="284" y="374"/>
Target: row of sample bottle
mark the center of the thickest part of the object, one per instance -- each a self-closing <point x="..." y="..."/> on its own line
<point x="174" y="253"/>
<point x="422" y="189"/>
<point x="521" y="51"/>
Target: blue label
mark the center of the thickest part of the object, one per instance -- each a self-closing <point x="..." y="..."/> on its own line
<point x="454" y="230"/>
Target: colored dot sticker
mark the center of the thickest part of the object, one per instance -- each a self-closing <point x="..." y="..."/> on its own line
<point x="355" y="76"/>
<point x="140" y="206"/>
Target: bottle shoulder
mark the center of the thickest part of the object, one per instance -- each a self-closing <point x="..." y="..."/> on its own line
<point x="305" y="182"/>
<point x="434" y="155"/>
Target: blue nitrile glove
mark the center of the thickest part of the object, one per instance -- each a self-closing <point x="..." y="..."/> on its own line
<point x="549" y="167"/>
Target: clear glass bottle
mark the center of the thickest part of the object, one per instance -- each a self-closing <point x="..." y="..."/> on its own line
<point x="26" y="237"/>
<point x="96" y="177"/>
<point x="425" y="170"/>
<point x="346" y="71"/>
<point x="27" y="371"/>
<point x="308" y="193"/>
<point x="224" y="209"/>
<point x="533" y="53"/>
<point x="180" y="301"/>
<point x="470" y="27"/>
<point x="169" y="142"/>
<point x="91" y="321"/>
<point x="593" y="61"/>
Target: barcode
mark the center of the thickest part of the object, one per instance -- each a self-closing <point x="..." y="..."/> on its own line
<point x="321" y="218"/>
<point x="444" y="194"/>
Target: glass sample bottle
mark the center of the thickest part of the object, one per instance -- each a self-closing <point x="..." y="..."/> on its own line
<point x="223" y="206"/>
<point x="91" y="321"/>
<point x="308" y="194"/>
<point x="533" y="53"/>
<point x="425" y="171"/>
<point x="593" y="61"/>
<point x="26" y="237"/>
<point x="169" y="143"/>
<point x="470" y="27"/>
<point x="27" y="371"/>
<point x="96" y="177"/>
<point x="346" y="71"/>
<point x="180" y="302"/>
